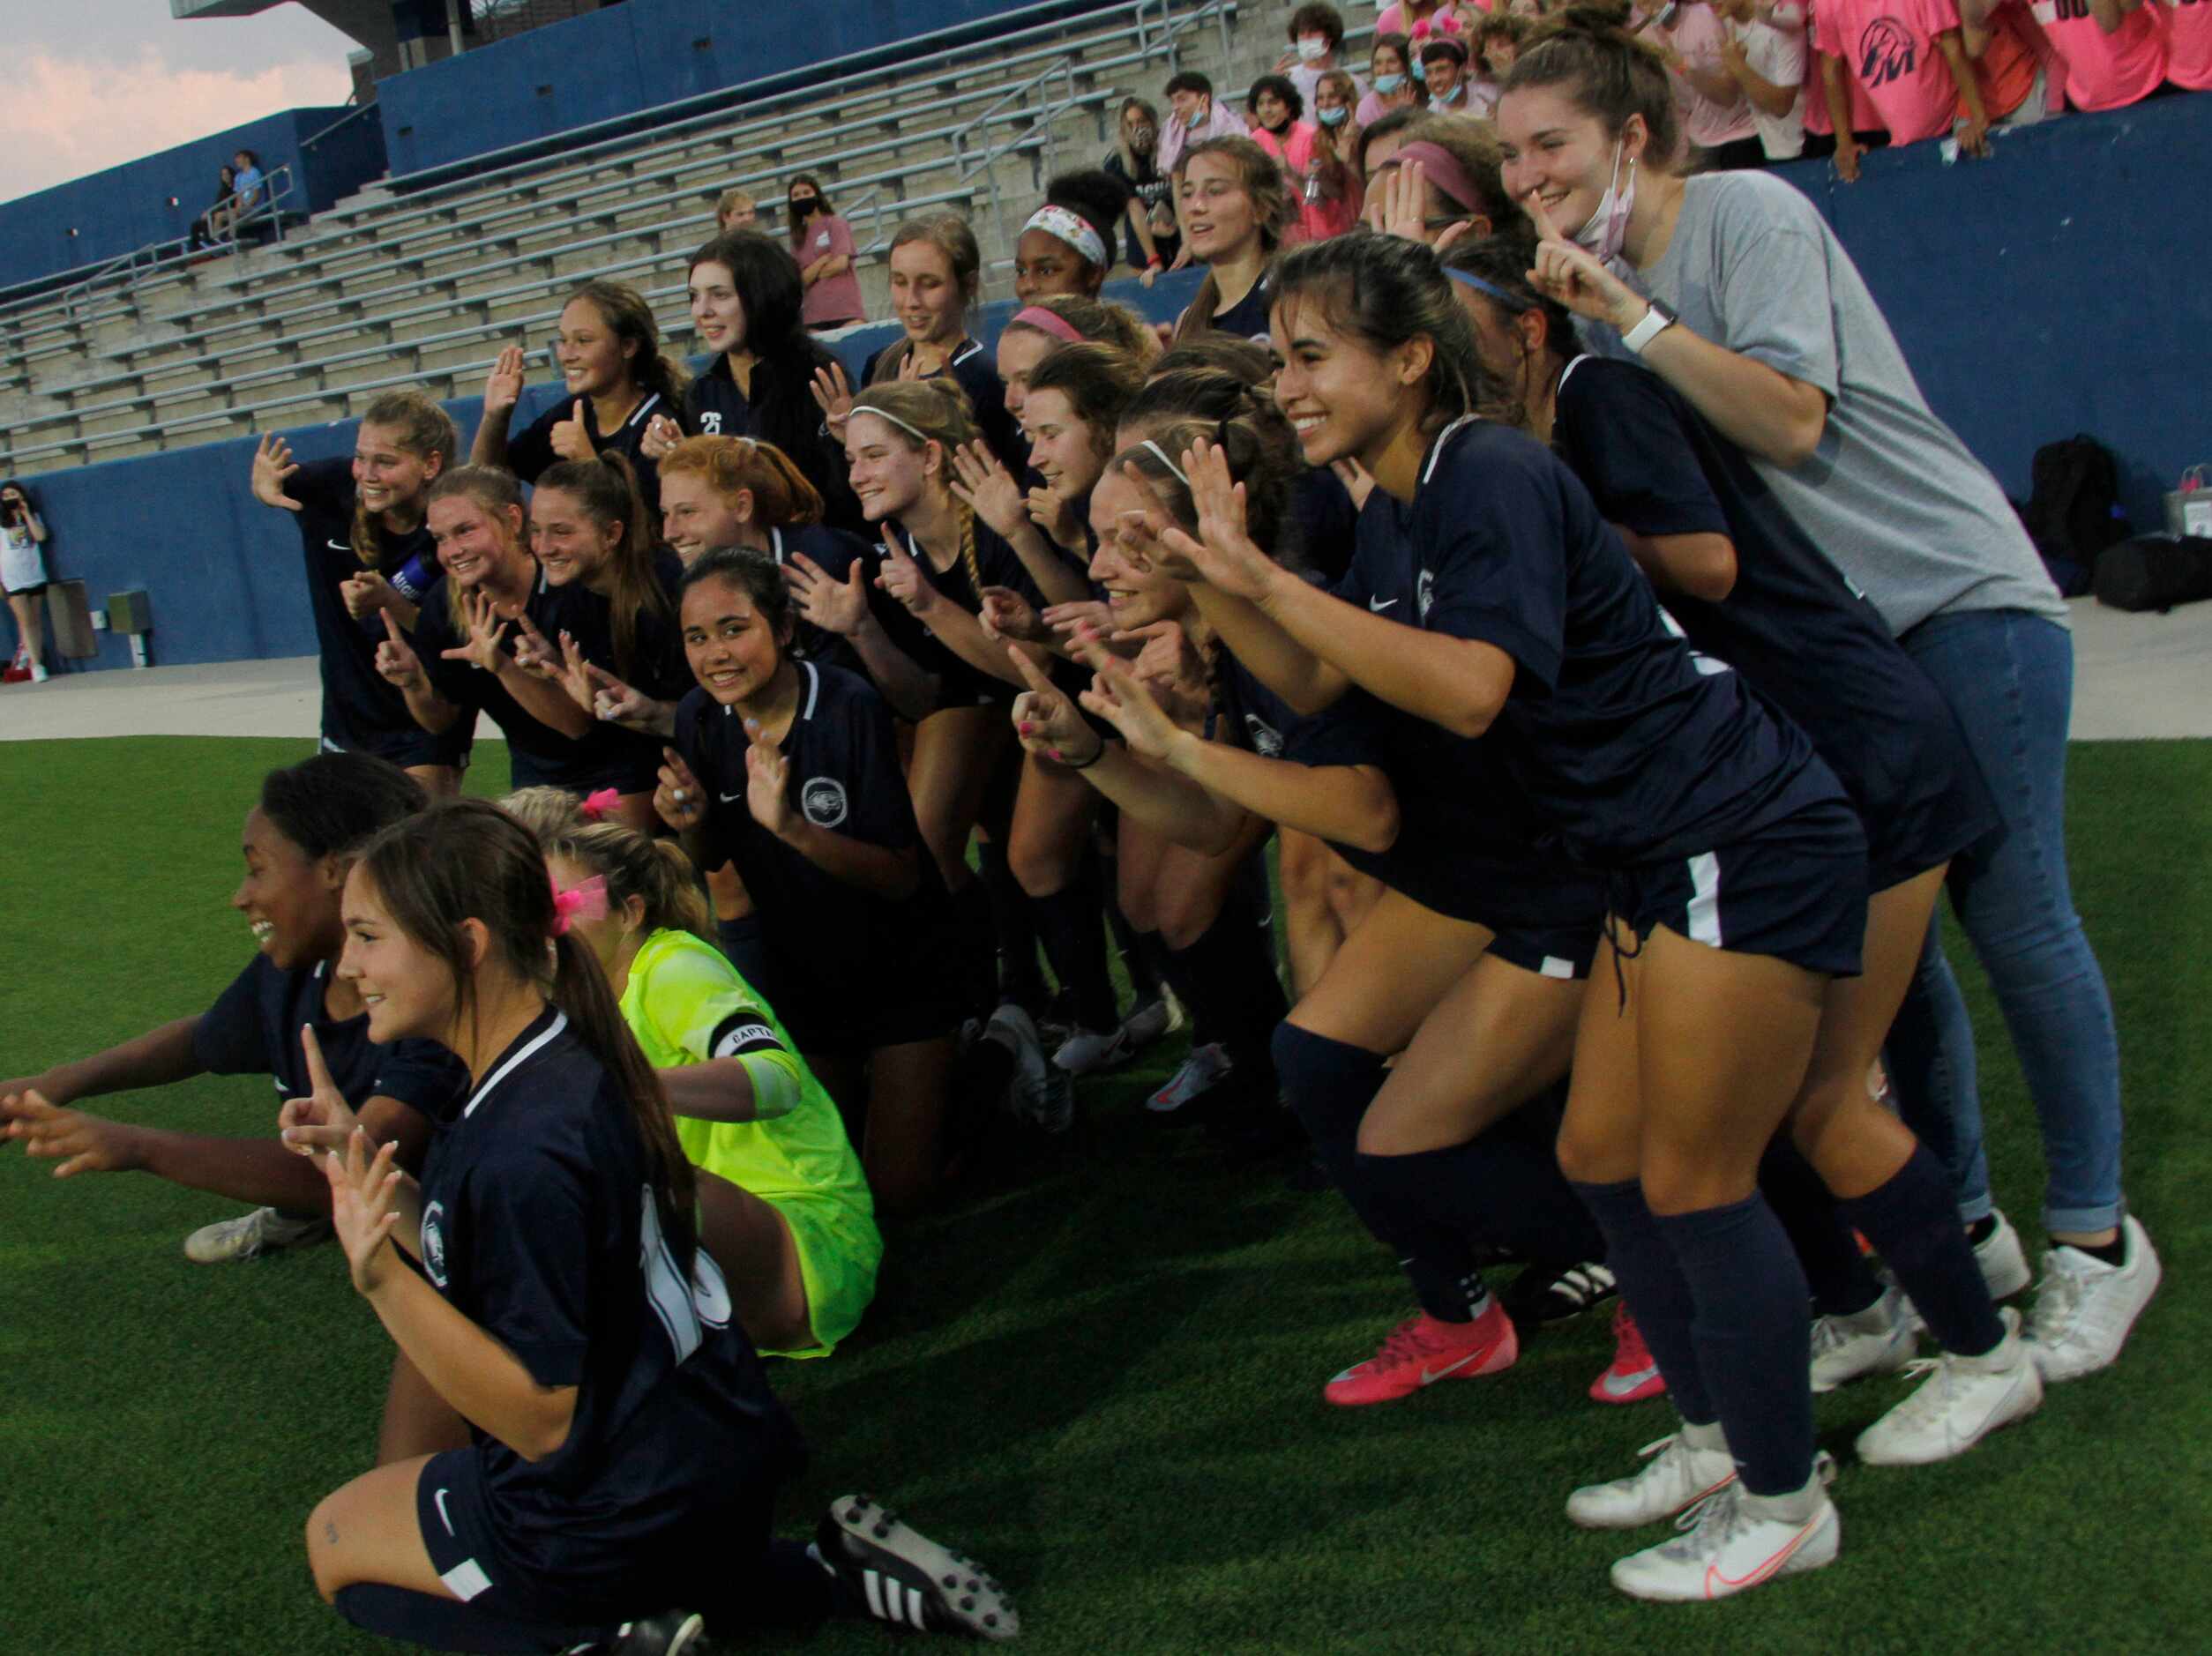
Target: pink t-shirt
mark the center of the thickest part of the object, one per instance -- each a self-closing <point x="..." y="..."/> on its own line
<point x="2106" y="71"/>
<point x="1392" y="20"/>
<point x="1889" y="48"/>
<point x="1865" y="116"/>
<point x="1319" y="217"/>
<point x="2189" y="43"/>
<point x="1698" y="34"/>
<point x="834" y="298"/>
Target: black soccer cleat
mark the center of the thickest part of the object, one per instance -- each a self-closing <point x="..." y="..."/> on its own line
<point x="890" y="1570"/>
<point x="1547" y="1294"/>
<point x="671" y="1633"/>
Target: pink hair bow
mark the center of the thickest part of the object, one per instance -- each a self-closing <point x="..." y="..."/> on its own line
<point x="585" y="901"/>
<point x="599" y="805"/>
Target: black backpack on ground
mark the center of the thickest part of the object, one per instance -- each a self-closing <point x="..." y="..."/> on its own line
<point x="2073" y="513"/>
<point x="2156" y="572"/>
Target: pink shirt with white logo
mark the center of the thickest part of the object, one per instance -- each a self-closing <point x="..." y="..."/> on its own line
<point x="2106" y="71"/>
<point x="2189" y="43"/>
<point x="1889" y="48"/>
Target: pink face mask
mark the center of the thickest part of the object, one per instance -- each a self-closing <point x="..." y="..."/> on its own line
<point x="1606" y="229"/>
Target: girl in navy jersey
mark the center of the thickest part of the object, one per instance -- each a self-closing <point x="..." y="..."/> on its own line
<point x="936" y="278"/>
<point x="1748" y="588"/>
<point x="622" y="1449"/>
<point x="1735" y="869"/>
<point x="1065" y="319"/>
<point x="1236" y="208"/>
<point x="616" y="382"/>
<point x="368" y="554"/>
<point x="745" y="302"/>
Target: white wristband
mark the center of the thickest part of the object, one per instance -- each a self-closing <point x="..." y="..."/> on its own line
<point x="1655" y="323"/>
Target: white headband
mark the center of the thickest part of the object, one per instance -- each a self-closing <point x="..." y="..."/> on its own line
<point x="1071" y="228"/>
<point x="885" y="416"/>
<point x="1174" y="470"/>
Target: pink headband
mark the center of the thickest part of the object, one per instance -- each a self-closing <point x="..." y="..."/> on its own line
<point x="1442" y="167"/>
<point x="1050" y="322"/>
<point x="599" y="805"/>
<point x="587" y="901"/>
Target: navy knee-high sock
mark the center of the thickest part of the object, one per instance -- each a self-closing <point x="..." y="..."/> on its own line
<point x="1227" y="977"/>
<point x="1074" y="935"/>
<point x="422" y="1618"/>
<point x="1753" y="1330"/>
<point x="1657" y="1293"/>
<point x="1021" y="977"/>
<point x="975" y="941"/>
<point x="1841" y="1280"/>
<point x="1497" y="1188"/>
<point x="1913" y="1221"/>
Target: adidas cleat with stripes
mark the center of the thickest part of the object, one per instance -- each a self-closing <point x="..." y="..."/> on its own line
<point x="896" y="1574"/>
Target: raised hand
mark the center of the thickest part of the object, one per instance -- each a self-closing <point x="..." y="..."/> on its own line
<point x="1084" y="612"/>
<point x="1120" y="698"/>
<point x="1046" y="721"/>
<point x="835" y="606"/>
<point x="679" y="801"/>
<point x="573" y="673"/>
<point x="364" y="595"/>
<point x="1223" y="554"/>
<point x="980" y="479"/>
<point x="272" y="466"/>
<point x="396" y="661"/>
<point x="1052" y="511"/>
<point x="487" y="630"/>
<point x="835" y="393"/>
<point x="364" y="1192"/>
<point x="903" y="579"/>
<point x="321" y="1123"/>
<point x="533" y="651"/>
<point x="767" y="781"/>
<point x="1358" y="482"/>
<point x="80" y="1143"/>
<point x="503" y="386"/>
<point x="661" y="434"/>
<point x="615" y="702"/>
<point x="1570" y="274"/>
<point x="1171" y="668"/>
<point x="571" y="437"/>
<point x="1007" y="615"/>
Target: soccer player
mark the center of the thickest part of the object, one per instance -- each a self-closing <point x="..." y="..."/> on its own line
<point x="1236" y="208"/>
<point x="936" y="279"/>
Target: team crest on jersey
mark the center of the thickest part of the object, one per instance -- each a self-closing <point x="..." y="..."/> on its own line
<point x="1266" y="741"/>
<point x="434" y="1243"/>
<point x="1424" y="595"/>
<point x="823" y="800"/>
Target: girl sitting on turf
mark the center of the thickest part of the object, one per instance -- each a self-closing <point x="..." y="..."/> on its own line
<point x="623" y="1449"/>
<point x="300" y="838"/>
<point x="784" y="1205"/>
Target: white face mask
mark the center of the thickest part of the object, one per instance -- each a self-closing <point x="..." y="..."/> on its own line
<point x="1313" y="47"/>
<point x="1606" y="228"/>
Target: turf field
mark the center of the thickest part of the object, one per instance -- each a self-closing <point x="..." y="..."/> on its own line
<point x="1100" y="1372"/>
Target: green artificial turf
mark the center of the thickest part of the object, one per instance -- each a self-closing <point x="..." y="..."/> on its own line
<point x="1100" y="1371"/>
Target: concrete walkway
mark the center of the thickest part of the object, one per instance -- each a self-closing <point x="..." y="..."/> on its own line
<point x="2134" y="675"/>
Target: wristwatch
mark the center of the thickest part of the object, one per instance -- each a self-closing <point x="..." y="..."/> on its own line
<point x="1657" y="320"/>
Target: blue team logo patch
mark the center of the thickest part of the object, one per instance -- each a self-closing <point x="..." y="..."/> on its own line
<point x="1266" y="741"/>
<point x="1424" y="595"/>
<point x="434" y="1243"/>
<point x="823" y="800"/>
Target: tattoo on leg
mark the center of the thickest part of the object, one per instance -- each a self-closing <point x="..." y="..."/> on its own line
<point x="330" y="1532"/>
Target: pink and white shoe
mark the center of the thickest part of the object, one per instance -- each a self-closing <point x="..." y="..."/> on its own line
<point x="1634" y="1375"/>
<point x="1423" y="1350"/>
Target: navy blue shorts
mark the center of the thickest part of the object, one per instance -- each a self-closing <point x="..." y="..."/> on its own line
<point x="455" y="1515"/>
<point x="1553" y="951"/>
<point x="1798" y="891"/>
<point x="409" y="747"/>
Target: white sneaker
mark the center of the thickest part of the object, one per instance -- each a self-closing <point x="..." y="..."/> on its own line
<point x="1087" y="1051"/>
<point x="1038" y="1092"/>
<point x="38" y="673"/>
<point x="1880" y="1340"/>
<point x="1154" y="1020"/>
<point x="1679" y="1471"/>
<point x="1735" y="1540"/>
<point x="2085" y="1307"/>
<point x="1961" y="1401"/>
<point x="263" y="1231"/>
<point x="2004" y="1262"/>
<point x="1206" y="1066"/>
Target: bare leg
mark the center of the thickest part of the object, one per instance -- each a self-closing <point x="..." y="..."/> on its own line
<point x="954" y="750"/>
<point x="367" y="1532"/>
<point x="417" y="1421"/>
<point x="30" y="625"/>
<point x="903" y="1149"/>
<point x="753" y="1245"/>
<point x="1311" y="933"/>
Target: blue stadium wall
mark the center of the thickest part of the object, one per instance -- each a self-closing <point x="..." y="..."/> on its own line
<point x="128" y="207"/>
<point x="608" y="64"/>
<point x="2057" y="288"/>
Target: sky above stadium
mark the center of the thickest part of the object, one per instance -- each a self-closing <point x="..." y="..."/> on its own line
<point x="92" y="83"/>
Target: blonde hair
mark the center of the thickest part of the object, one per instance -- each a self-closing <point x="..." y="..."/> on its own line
<point x="420" y="428"/>
<point x="731" y="201"/>
<point x="940" y="411"/>
<point x="949" y="235"/>
<point x="1101" y="320"/>
<point x="499" y="492"/>
<point x="782" y="493"/>
<point x="546" y="812"/>
<point x="655" y="870"/>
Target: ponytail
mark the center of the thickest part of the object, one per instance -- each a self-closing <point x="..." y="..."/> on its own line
<point x="655" y="871"/>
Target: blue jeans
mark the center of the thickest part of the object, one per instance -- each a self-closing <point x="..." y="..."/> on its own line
<point x="2009" y="676"/>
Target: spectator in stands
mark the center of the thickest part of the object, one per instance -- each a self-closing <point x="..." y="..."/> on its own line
<point x="1912" y="61"/>
<point x="1277" y="109"/>
<point x="1444" y="71"/>
<point x="246" y="184"/>
<point x="1150" y="238"/>
<point x="1498" y="39"/>
<point x="1193" y="116"/>
<point x="1820" y="126"/>
<point x="23" y="573"/>
<point x="1717" y="117"/>
<point x="1425" y="18"/>
<point x="1317" y="45"/>
<point x="1379" y="142"/>
<point x="2189" y="45"/>
<point x="1236" y="208"/>
<point x="1766" y="59"/>
<point x="1068" y="245"/>
<point x="746" y="304"/>
<point x="2115" y="50"/>
<point x="1336" y="192"/>
<point x="1390" y="73"/>
<point x="937" y="273"/>
<point x="208" y="227"/>
<point x="823" y="244"/>
<point x="736" y="210"/>
<point x="2023" y="75"/>
<point x="616" y="380"/>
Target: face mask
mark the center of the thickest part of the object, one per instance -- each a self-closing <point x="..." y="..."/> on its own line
<point x="1195" y="119"/>
<point x="1333" y="117"/>
<point x="803" y="205"/>
<point x="1419" y="70"/>
<point x="1606" y="228"/>
<point x="1313" y="47"/>
<point x="1387" y="84"/>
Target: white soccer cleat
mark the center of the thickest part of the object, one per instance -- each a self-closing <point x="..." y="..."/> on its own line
<point x="1678" y="1472"/>
<point x="1038" y="1093"/>
<point x="1735" y="1540"/>
<point x="1153" y="1020"/>
<point x="1961" y="1401"/>
<point x="2085" y="1308"/>
<point x="1087" y="1051"/>
<point x="1880" y="1340"/>
<point x="263" y="1231"/>
<point x="1206" y="1066"/>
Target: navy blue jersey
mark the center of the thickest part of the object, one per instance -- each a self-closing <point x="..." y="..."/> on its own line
<point x="530" y="450"/>
<point x="656" y="664"/>
<point x="833" y="939"/>
<point x="964" y="685"/>
<point x="1616" y="734"/>
<point x="975" y="372"/>
<point x="361" y="712"/>
<point x="254" y="1027"/>
<point x="1247" y="318"/>
<point x="832" y="551"/>
<point x="1325" y="524"/>
<point x="780" y="410"/>
<point x="540" y="1226"/>
<point x="1792" y="623"/>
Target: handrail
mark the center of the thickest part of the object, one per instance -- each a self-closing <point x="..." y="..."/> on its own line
<point x="307" y="144"/>
<point x="150" y="258"/>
